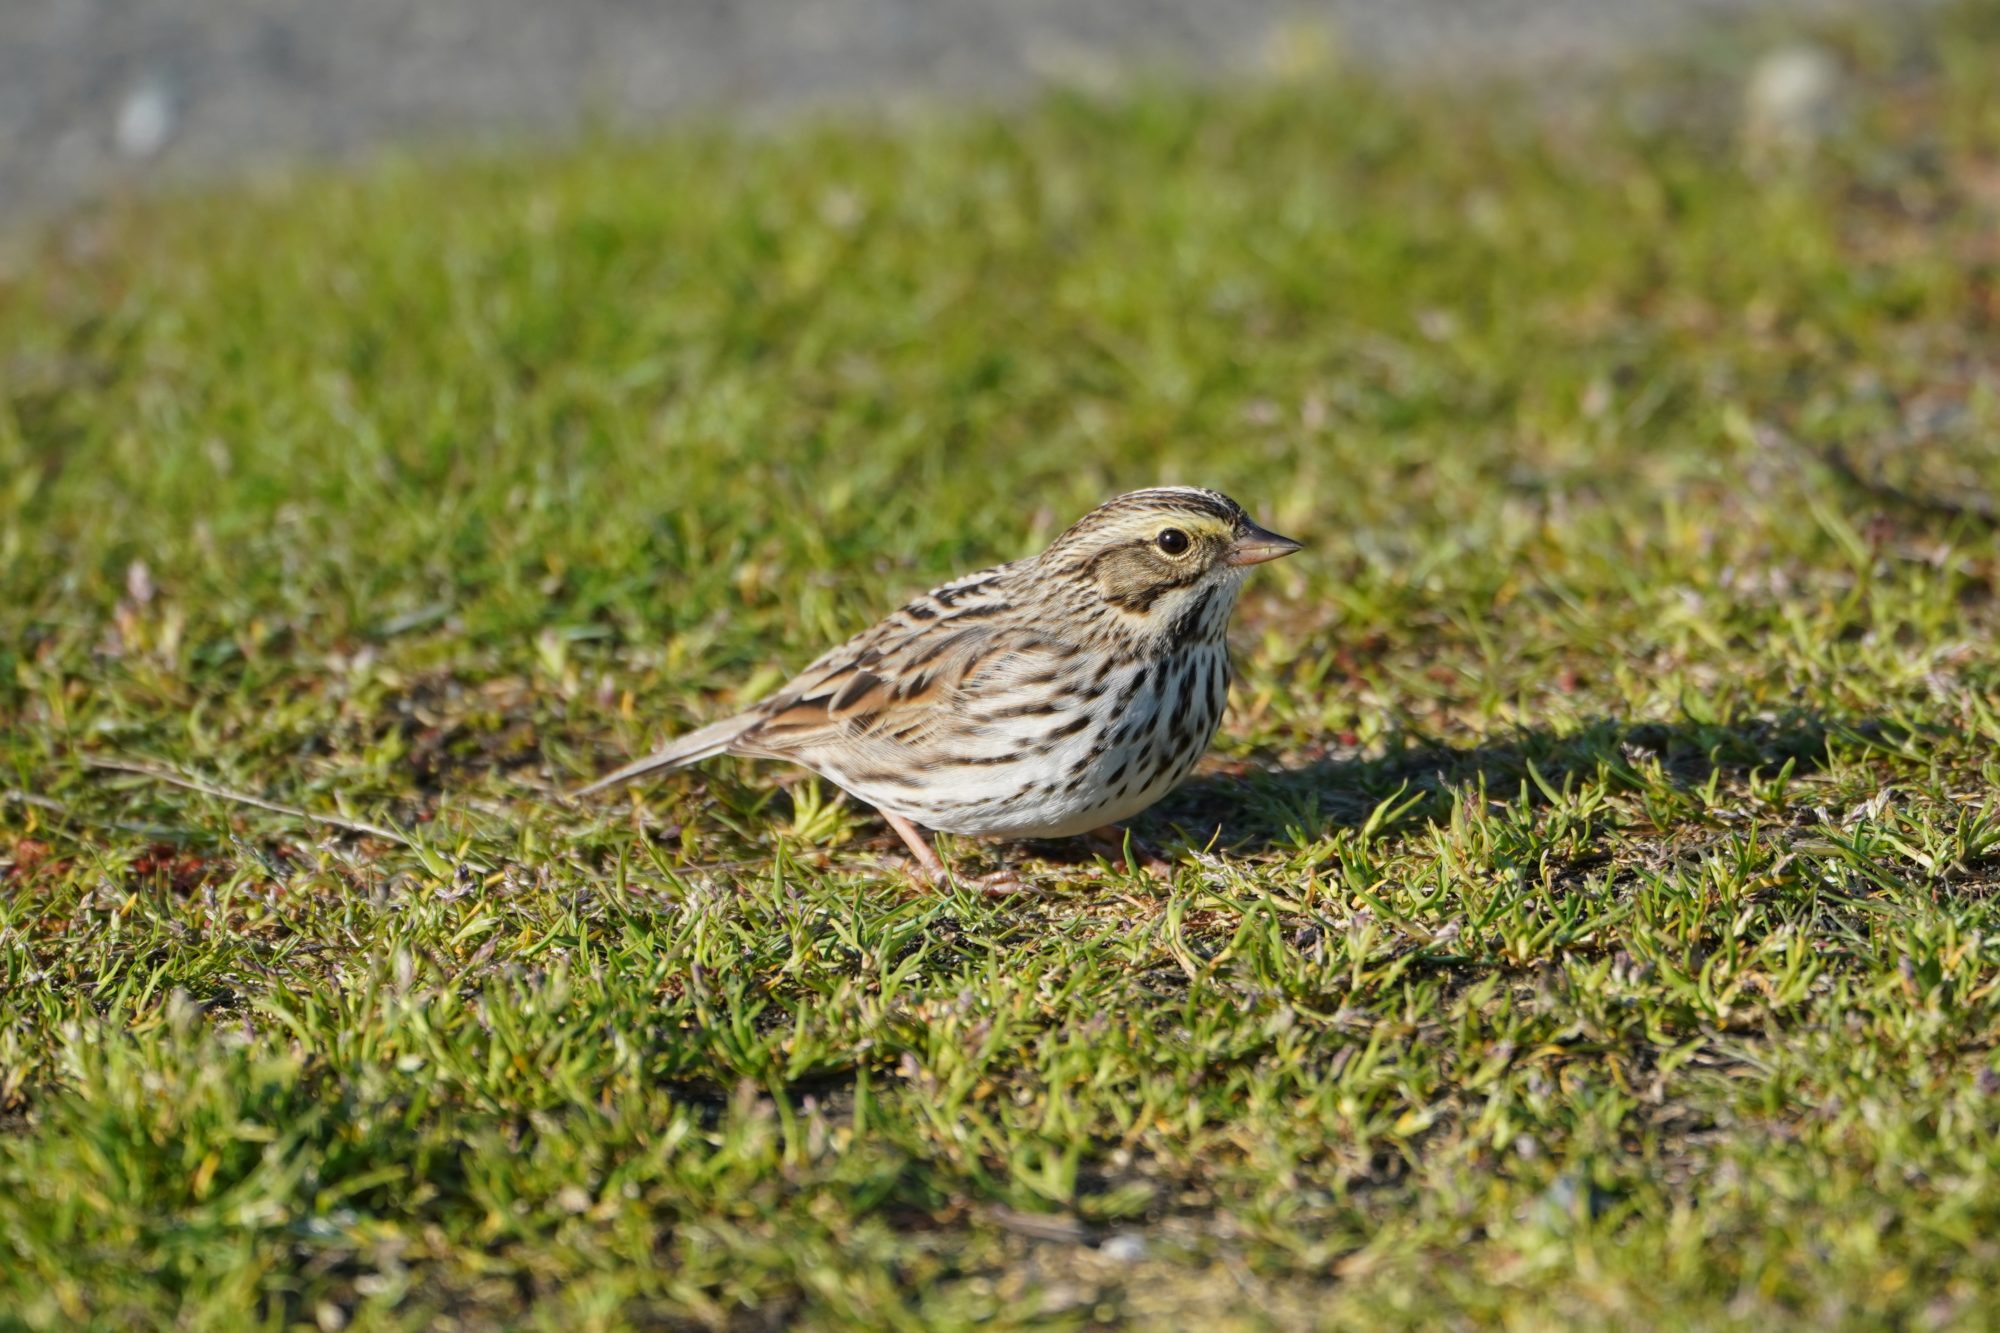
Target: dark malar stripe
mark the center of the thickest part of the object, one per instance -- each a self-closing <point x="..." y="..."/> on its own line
<point x="1188" y="627"/>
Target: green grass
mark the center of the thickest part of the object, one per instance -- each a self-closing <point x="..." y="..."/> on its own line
<point x="1589" y="915"/>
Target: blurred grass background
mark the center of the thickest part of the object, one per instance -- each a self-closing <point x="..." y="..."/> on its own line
<point x="1587" y="917"/>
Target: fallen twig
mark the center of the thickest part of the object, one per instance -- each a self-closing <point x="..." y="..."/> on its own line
<point x="29" y="798"/>
<point x="174" y="779"/>
<point x="1972" y="505"/>
<point x="56" y="807"/>
<point x="1039" y="1226"/>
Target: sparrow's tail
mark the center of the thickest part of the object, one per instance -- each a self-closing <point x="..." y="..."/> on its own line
<point x="712" y="739"/>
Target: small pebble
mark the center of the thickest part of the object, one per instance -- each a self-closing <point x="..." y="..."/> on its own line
<point x="1792" y="101"/>
<point x="1127" y="1247"/>
<point x="146" y="120"/>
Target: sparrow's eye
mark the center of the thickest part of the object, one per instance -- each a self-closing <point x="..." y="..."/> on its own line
<point x="1173" y="541"/>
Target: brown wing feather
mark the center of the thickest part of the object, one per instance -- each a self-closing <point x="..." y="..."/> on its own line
<point x="895" y="682"/>
<point x="883" y="701"/>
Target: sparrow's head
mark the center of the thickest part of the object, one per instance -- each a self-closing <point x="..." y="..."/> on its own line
<point x="1158" y="556"/>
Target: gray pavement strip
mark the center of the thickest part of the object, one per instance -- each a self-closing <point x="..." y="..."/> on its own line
<point x="99" y="96"/>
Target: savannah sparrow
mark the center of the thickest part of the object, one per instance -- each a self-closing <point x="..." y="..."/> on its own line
<point x="1038" y="699"/>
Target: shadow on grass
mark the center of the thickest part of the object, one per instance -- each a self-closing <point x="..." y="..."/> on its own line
<point x="1274" y="809"/>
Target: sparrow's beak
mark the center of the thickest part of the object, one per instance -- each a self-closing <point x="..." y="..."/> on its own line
<point x="1255" y="545"/>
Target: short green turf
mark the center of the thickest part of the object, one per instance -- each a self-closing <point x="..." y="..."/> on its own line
<point x="1587" y="917"/>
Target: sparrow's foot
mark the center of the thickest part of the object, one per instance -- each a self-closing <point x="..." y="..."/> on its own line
<point x="1112" y="840"/>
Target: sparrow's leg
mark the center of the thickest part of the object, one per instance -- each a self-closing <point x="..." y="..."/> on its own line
<point x="928" y="868"/>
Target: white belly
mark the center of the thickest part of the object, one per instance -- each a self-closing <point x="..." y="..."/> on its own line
<point x="1021" y="781"/>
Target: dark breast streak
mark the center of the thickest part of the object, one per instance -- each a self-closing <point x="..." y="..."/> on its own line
<point x="1190" y="707"/>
